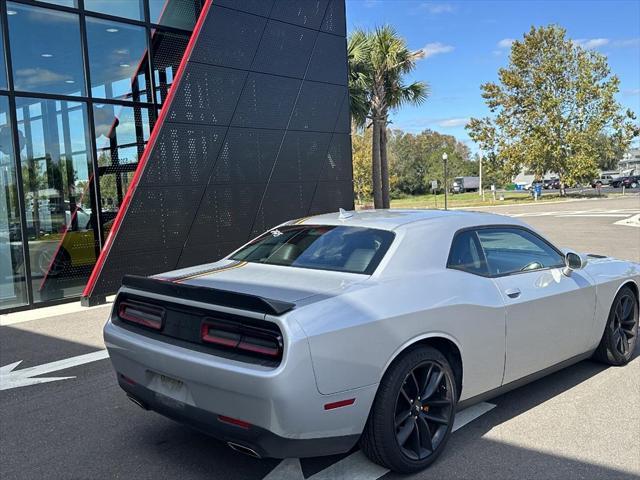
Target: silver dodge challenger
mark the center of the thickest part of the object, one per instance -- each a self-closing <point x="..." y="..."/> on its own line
<point x="370" y="327"/>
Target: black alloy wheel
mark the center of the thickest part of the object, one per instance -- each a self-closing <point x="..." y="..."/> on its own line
<point x="423" y="410"/>
<point x="621" y="332"/>
<point x="413" y="412"/>
<point x="624" y="323"/>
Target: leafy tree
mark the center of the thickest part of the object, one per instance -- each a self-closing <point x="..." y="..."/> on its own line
<point x="361" y="147"/>
<point x="378" y="61"/>
<point x="552" y="104"/>
<point x="417" y="160"/>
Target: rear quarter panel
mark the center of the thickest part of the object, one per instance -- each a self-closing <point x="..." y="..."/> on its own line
<point x="609" y="275"/>
<point x="355" y="336"/>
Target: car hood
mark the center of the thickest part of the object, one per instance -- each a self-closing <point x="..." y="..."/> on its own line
<point x="288" y="284"/>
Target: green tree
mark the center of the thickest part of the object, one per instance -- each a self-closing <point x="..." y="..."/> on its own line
<point x="550" y="107"/>
<point x="361" y="147"/>
<point x="379" y="60"/>
<point x="417" y="160"/>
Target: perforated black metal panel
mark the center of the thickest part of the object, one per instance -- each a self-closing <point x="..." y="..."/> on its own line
<point x="284" y="49"/>
<point x="259" y="7"/>
<point x="229" y="38"/>
<point x="308" y="13"/>
<point x="257" y="133"/>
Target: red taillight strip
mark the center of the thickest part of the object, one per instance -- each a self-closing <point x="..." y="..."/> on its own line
<point x="245" y="334"/>
<point x="145" y="322"/>
<point x="104" y="253"/>
<point x="341" y="403"/>
<point x="234" y="421"/>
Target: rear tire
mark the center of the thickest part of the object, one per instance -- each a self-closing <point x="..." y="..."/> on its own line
<point x="621" y="332"/>
<point x="413" y="412"/>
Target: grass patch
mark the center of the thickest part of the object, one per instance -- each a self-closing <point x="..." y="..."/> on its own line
<point x="472" y="199"/>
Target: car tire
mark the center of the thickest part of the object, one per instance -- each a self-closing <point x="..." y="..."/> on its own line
<point x="400" y="407"/>
<point x="634" y="185"/>
<point x="621" y="332"/>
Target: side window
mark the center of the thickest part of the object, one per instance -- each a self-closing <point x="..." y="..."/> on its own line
<point x="466" y="254"/>
<point x="510" y="250"/>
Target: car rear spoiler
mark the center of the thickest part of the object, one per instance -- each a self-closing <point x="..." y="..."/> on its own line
<point x="225" y="298"/>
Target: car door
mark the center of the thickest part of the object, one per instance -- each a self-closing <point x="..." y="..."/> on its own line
<point x="547" y="312"/>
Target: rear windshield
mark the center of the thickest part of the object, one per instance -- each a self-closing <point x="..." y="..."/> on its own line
<point x="322" y="247"/>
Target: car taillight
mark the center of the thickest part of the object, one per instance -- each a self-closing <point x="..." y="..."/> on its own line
<point x="245" y="338"/>
<point x="142" y="314"/>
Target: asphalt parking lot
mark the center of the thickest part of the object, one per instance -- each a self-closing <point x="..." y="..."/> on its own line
<point x="580" y="423"/>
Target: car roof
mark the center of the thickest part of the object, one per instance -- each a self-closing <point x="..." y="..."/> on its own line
<point x="393" y="219"/>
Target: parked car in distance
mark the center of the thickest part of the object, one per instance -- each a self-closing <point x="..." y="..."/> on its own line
<point x="631" y="182"/>
<point x="369" y="327"/>
<point x="602" y="180"/>
<point x="627" y="181"/>
<point x="465" y="184"/>
<point x="547" y="183"/>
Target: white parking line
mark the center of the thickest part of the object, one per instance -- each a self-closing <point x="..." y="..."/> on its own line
<point x="357" y="466"/>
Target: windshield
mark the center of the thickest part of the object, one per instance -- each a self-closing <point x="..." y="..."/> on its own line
<point x="323" y="247"/>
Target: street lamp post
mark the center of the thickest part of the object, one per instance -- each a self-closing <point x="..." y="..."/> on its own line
<point x="444" y="158"/>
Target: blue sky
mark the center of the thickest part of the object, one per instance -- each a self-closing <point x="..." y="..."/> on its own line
<point x="467" y="41"/>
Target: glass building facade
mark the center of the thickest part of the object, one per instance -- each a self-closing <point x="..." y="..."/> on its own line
<point x="81" y="84"/>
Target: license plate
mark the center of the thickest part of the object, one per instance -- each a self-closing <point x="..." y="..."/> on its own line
<point x="170" y="388"/>
<point x="171" y="384"/>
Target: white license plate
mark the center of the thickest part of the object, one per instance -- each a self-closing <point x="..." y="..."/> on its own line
<point x="171" y="388"/>
<point x="171" y="384"/>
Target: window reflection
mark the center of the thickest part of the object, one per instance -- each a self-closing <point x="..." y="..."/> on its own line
<point x="133" y="9"/>
<point x="57" y="179"/>
<point x="45" y="50"/>
<point x="3" y="69"/>
<point x="12" y="281"/>
<point x="118" y="60"/>
<point x="64" y="3"/>
<point x="175" y="13"/>
<point x="121" y="134"/>
<point x="168" y="49"/>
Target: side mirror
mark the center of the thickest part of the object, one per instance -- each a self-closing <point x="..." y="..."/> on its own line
<point x="573" y="261"/>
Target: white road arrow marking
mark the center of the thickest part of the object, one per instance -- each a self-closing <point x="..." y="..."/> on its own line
<point x="10" y="378"/>
<point x="357" y="466"/>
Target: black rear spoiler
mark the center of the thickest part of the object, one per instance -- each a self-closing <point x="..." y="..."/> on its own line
<point x="225" y="298"/>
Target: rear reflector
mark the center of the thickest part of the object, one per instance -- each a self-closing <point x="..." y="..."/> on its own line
<point x="148" y="316"/>
<point x="242" y="337"/>
<point x="341" y="403"/>
<point x="234" y="421"/>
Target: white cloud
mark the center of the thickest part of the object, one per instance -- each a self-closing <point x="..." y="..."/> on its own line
<point x="632" y="92"/>
<point x="438" y="8"/>
<point x="431" y="49"/>
<point x="590" y="43"/>
<point x="452" y="122"/>
<point x="505" y="43"/>
<point x="629" y="42"/>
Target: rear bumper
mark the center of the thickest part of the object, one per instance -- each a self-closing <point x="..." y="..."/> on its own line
<point x="263" y="442"/>
<point x="282" y="405"/>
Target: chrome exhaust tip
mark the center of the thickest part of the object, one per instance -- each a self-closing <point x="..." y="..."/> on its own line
<point x="137" y="402"/>
<point x="243" y="449"/>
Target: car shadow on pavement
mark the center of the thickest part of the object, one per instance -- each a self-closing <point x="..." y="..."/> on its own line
<point x="472" y="454"/>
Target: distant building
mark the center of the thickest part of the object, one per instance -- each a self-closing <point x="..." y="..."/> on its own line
<point x="630" y="163"/>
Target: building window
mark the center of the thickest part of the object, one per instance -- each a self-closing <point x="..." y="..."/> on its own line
<point x="133" y="9"/>
<point x="168" y="49"/>
<point x="118" y="60"/>
<point x="12" y="274"/>
<point x="64" y="3"/>
<point x="3" y="68"/>
<point x="45" y="50"/>
<point x="58" y="184"/>
<point x="175" y="13"/>
<point x="121" y="135"/>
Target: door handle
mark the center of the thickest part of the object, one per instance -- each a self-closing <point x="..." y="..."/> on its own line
<point x="512" y="292"/>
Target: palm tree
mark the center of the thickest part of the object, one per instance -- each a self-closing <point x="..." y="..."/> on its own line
<point x="378" y="62"/>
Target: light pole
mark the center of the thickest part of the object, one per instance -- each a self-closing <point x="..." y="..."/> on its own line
<point x="444" y="158"/>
